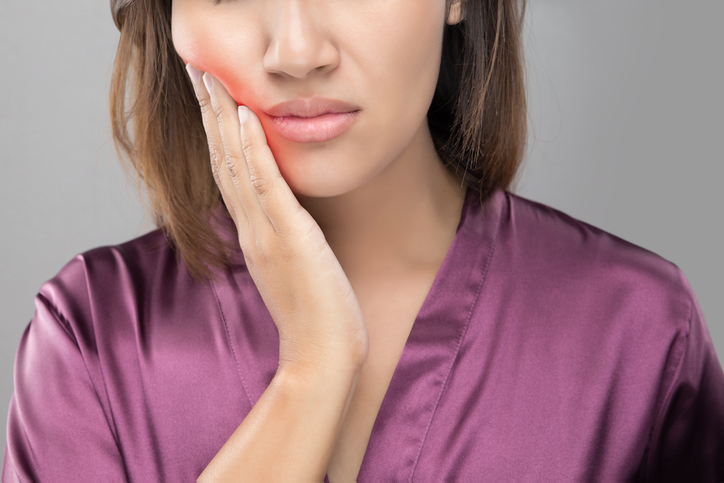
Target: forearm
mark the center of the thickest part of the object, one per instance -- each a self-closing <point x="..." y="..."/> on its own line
<point x="290" y="434"/>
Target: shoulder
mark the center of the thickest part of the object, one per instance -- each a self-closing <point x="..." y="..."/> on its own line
<point x="108" y="274"/>
<point x="592" y="270"/>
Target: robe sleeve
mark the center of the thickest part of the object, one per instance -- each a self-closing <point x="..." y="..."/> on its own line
<point x="57" y="428"/>
<point x="687" y="441"/>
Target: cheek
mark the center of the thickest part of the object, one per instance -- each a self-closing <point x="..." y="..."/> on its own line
<point x="209" y="48"/>
<point x="400" y="51"/>
<point x="403" y="56"/>
<point x="415" y="43"/>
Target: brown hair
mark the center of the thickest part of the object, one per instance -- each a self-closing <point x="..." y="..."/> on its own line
<point x="477" y="117"/>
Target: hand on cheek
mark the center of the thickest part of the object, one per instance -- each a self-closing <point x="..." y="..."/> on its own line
<point x="287" y="255"/>
<point x="243" y="166"/>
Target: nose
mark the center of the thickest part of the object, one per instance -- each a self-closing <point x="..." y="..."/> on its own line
<point x="300" y="40"/>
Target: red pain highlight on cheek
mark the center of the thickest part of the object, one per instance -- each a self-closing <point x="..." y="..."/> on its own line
<point x="207" y="61"/>
<point x="202" y="48"/>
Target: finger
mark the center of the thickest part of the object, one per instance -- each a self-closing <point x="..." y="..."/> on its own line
<point x="276" y="197"/>
<point x="216" y="151"/>
<point x="236" y="166"/>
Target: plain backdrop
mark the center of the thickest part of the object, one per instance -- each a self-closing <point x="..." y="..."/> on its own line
<point x="625" y="115"/>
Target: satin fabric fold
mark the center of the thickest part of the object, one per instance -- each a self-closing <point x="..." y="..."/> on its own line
<point x="546" y="350"/>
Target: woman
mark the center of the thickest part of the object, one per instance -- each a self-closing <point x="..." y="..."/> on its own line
<point x="344" y="289"/>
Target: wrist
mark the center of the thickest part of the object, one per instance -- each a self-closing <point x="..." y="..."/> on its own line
<point x="322" y="360"/>
<point x="326" y="370"/>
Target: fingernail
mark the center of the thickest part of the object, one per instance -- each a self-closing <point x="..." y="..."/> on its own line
<point x="194" y="73"/>
<point x="208" y="83"/>
<point x="243" y="114"/>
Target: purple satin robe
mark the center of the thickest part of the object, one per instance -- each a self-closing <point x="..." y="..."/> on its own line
<point x="546" y="350"/>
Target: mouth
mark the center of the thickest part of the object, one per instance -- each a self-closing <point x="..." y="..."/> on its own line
<point x="313" y="119"/>
<point x="315" y="129"/>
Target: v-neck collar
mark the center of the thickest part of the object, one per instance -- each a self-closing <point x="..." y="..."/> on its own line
<point x="427" y="358"/>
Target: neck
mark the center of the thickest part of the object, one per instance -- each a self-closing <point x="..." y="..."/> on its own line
<point x="404" y="218"/>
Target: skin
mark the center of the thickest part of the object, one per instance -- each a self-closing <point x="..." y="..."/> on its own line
<point x="375" y="192"/>
<point x="382" y="55"/>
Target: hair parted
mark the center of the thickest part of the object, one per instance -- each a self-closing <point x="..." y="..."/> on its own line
<point x="477" y="118"/>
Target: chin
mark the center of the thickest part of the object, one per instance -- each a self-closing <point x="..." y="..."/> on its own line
<point x="315" y="180"/>
<point x="318" y="173"/>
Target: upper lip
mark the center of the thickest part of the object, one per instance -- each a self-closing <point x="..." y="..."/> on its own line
<point x="310" y="107"/>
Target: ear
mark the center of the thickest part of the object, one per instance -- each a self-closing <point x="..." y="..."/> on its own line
<point x="456" y="12"/>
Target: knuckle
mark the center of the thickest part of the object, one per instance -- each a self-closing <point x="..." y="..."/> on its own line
<point x="233" y="163"/>
<point x="261" y="183"/>
<point x="214" y="158"/>
<point x="218" y="112"/>
<point x="256" y="250"/>
<point x="205" y="105"/>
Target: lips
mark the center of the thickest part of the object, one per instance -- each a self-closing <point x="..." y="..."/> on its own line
<point x="311" y="107"/>
<point x="313" y="120"/>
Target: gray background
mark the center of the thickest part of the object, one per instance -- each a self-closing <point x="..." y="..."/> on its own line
<point x="626" y="119"/>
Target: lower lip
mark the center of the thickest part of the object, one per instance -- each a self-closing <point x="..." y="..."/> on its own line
<point x="314" y="129"/>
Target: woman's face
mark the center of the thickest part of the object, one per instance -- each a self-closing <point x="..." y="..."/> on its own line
<point x="382" y="56"/>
